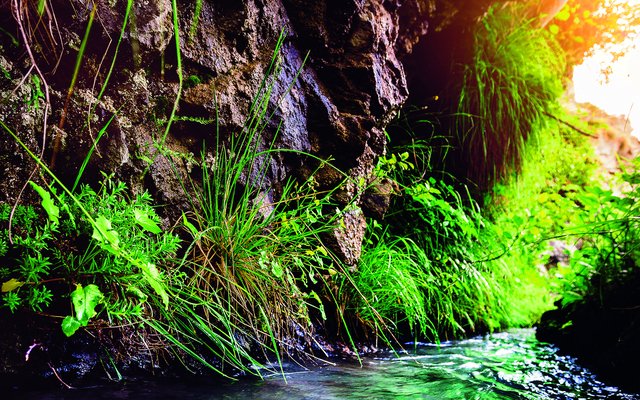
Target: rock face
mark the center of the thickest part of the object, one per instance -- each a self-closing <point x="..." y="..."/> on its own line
<point x="335" y="103"/>
<point x="340" y="99"/>
<point x="603" y="332"/>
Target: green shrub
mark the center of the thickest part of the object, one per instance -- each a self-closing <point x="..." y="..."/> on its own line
<point x="423" y="267"/>
<point x="67" y="250"/>
<point x="440" y="266"/>
<point x="610" y="229"/>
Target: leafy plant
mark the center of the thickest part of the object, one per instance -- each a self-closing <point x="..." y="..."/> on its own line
<point x="36" y="93"/>
<point x="123" y="244"/>
<point x="611" y="230"/>
<point x="84" y="302"/>
<point x="422" y="268"/>
<point x="439" y="266"/>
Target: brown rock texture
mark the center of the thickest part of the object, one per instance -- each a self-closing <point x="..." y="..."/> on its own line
<point x="341" y="97"/>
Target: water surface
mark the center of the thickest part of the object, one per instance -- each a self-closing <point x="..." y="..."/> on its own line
<point x="510" y="365"/>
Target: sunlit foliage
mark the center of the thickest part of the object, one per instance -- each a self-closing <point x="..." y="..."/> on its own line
<point x="583" y="26"/>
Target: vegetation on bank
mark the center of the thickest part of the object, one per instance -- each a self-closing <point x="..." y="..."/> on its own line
<point x="459" y="268"/>
<point x="245" y="277"/>
<point x="242" y="279"/>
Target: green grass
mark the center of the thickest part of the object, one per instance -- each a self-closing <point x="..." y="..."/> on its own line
<point x="441" y="267"/>
<point x="423" y="267"/>
<point x="391" y="279"/>
<point x="513" y="80"/>
<point x="256" y="256"/>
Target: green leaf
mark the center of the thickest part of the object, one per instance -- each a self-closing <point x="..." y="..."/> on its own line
<point x="563" y="15"/>
<point x="12" y="300"/>
<point x="315" y="296"/>
<point x="276" y="269"/>
<point x="11" y="284"/>
<point x="136" y="292"/>
<point x="142" y="218"/>
<point x="70" y="325"/>
<point x="554" y="29"/>
<point x="85" y="301"/>
<point x="152" y="276"/>
<point x="189" y="225"/>
<point x="47" y="202"/>
<point x="566" y="325"/>
<point x="41" y="4"/>
<point x="103" y="233"/>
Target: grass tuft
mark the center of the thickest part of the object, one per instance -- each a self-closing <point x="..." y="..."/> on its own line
<point x="514" y="79"/>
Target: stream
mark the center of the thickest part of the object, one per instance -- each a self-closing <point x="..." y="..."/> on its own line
<point x="509" y="365"/>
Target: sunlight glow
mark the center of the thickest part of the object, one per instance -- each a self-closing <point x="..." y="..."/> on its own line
<point x="620" y="93"/>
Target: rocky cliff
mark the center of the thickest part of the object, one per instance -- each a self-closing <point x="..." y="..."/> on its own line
<point x="342" y="96"/>
<point x="152" y="84"/>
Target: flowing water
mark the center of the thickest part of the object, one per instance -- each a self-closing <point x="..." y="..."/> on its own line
<point x="511" y="365"/>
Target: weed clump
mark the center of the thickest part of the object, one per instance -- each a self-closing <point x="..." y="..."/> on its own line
<point x="424" y="268"/>
<point x="68" y="250"/>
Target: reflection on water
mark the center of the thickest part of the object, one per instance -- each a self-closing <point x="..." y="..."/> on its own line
<point x="511" y="365"/>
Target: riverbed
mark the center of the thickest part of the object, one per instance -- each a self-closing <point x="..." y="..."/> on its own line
<point x="508" y="365"/>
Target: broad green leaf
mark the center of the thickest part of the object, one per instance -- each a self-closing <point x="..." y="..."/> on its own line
<point x="103" y="233"/>
<point x="47" y="202"/>
<point x="135" y="291"/>
<point x="85" y="301"/>
<point x="276" y="269"/>
<point x="152" y="276"/>
<point x="11" y="284"/>
<point x="147" y="223"/>
<point x="70" y="325"/>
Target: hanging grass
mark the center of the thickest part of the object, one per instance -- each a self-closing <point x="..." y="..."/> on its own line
<point x="513" y="80"/>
